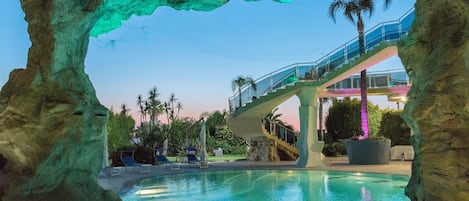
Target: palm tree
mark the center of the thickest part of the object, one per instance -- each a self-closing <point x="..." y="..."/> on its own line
<point x="124" y="109"/>
<point x="140" y="104"/>
<point x="273" y="119"/>
<point x="215" y="121"/>
<point x="171" y="102"/>
<point x="179" y="108"/>
<point x="354" y="9"/>
<point x="240" y="82"/>
<point x="153" y="105"/>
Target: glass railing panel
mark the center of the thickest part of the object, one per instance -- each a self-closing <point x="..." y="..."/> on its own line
<point x="245" y="97"/>
<point x="406" y="21"/>
<point x="337" y="59"/>
<point x="399" y="78"/>
<point x="306" y="72"/>
<point x="279" y="79"/>
<point x="373" y="38"/>
<point x="346" y="84"/>
<point x="356" y="82"/>
<point x="322" y="67"/>
<point x="353" y="50"/>
<point x="262" y="87"/>
<point x="381" y="81"/>
<point x="391" y="32"/>
<point x="234" y="103"/>
<point x="332" y="87"/>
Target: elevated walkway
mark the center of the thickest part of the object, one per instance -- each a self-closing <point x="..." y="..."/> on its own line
<point x="312" y="80"/>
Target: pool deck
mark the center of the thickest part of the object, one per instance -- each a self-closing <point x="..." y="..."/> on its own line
<point x="126" y="179"/>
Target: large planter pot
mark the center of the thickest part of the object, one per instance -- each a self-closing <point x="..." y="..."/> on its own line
<point x="368" y="152"/>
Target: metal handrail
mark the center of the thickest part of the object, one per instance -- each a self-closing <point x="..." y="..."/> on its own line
<point x="324" y="64"/>
<point x="273" y="126"/>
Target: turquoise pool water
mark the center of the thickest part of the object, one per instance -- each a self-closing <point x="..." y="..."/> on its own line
<point x="275" y="185"/>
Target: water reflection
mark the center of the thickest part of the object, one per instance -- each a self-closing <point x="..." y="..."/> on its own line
<point x="271" y="185"/>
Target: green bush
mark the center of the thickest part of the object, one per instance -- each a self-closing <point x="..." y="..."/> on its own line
<point x="225" y="139"/>
<point x="394" y="128"/>
<point x="329" y="150"/>
<point x="340" y="147"/>
<point x="119" y="129"/>
<point x="344" y="119"/>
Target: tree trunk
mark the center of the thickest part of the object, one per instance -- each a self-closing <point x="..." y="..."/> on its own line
<point x="321" y="100"/>
<point x="52" y="126"/>
<point x="436" y="57"/>
<point x="363" y="87"/>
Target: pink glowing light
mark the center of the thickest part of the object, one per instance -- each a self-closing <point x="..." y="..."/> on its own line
<point x="364" y="115"/>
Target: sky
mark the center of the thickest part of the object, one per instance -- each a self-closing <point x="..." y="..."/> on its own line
<point x="196" y="55"/>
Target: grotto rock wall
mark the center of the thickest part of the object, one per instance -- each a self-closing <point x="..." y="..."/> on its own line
<point x="436" y="57"/>
<point x="51" y="122"/>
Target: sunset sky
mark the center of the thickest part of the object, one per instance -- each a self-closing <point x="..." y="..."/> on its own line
<point x="196" y="55"/>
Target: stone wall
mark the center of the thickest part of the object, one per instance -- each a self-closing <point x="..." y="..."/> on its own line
<point x="436" y="57"/>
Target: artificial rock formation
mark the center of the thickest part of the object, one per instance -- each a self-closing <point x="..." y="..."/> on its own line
<point x="262" y="148"/>
<point x="436" y="57"/>
<point x="52" y="126"/>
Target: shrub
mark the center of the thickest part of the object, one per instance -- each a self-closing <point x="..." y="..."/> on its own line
<point x="344" y="119"/>
<point x="340" y="147"/>
<point x="329" y="150"/>
<point x="119" y="128"/>
<point x="394" y="128"/>
<point x="225" y="139"/>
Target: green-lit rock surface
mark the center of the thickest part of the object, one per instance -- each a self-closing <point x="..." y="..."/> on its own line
<point x="117" y="11"/>
<point x="51" y="123"/>
<point x="436" y="56"/>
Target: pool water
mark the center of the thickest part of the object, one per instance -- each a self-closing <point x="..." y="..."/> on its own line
<point x="276" y="185"/>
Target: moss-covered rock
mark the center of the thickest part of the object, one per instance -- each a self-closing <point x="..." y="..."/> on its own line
<point x="436" y="57"/>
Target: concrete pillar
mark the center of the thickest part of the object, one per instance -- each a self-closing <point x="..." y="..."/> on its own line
<point x="308" y="145"/>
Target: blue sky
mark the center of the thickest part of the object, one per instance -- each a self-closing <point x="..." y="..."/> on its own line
<point x="196" y="55"/>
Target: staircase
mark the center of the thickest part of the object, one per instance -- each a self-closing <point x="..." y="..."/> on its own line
<point x="288" y="148"/>
<point x="341" y="63"/>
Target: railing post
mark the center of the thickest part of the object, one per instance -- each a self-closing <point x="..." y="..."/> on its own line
<point x="369" y="80"/>
<point x="345" y="54"/>
<point x="271" y="83"/>
<point x="399" y="29"/>
<point x="383" y="34"/>
<point x="328" y="66"/>
<point x="297" y="72"/>
<point x="389" y="80"/>
<point x="249" y="94"/>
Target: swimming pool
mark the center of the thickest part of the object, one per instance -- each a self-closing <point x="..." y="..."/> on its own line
<point x="247" y="185"/>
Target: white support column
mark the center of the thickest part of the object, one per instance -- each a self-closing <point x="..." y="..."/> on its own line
<point x="308" y="145"/>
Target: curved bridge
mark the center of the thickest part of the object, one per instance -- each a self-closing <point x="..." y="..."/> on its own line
<point x="326" y="77"/>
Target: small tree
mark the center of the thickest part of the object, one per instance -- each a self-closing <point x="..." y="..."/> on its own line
<point x="119" y="128"/>
<point x="355" y="9"/>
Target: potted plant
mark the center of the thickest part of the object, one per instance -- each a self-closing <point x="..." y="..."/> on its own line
<point x="344" y="122"/>
<point x="368" y="151"/>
